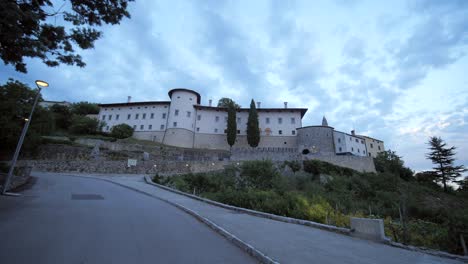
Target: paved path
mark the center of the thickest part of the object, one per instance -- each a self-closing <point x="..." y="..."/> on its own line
<point x="78" y="220"/>
<point x="290" y="243"/>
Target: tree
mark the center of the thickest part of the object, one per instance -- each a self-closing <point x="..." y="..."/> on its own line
<point x="443" y="157"/>
<point x="83" y="125"/>
<point x="389" y="161"/>
<point x="61" y="115"/>
<point x="85" y="108"/>
<point x="253" y="131"/>
<point x="17" y="101"/>
<point x="29" y="29"/>
<point x="227" y="102"/>
<point x="121" y="131"/>
<point x="231" y="125"/>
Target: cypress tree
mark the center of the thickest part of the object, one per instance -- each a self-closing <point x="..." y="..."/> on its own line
<point x="253" y="131"/>
<point x="231" y="125"/>
<point x="442" y="157"/>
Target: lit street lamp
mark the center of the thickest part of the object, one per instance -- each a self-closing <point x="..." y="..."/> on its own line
<point x="40" y="84"/>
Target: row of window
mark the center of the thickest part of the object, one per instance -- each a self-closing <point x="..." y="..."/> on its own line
<point x="112" y="109"/>
<point x="351" y="139"/>
<point x="142" y="127"/>
<point x="352" y="150"/>
<point x="129" y="116"/>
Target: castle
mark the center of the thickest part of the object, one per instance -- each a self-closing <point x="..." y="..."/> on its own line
<point x="184" y="122"/>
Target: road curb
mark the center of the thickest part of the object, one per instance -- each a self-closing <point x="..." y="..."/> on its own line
<point x="335" y="229"/>
<point x="252" y="251"/>
<point x="341" y="230"/>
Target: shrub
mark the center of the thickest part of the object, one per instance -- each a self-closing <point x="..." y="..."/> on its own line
<point x="294" y="165"/>
<point x="83" y="125"/>
<point x="121" y="131"/>
<point x="258" y="174"/>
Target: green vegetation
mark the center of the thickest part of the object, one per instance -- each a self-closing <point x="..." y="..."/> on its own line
<point x="121" y="131"/>
<point x="29" y="31"/>
<point x="227" y="102"/>
<point x="415" y="212"/>
<point x="253" y="130"/>
<point x="231" y="125"/>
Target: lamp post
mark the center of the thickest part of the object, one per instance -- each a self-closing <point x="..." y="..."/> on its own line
<point x="40" y="84"/>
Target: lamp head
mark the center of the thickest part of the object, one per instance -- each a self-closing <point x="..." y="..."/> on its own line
<point x="42" y="84"/>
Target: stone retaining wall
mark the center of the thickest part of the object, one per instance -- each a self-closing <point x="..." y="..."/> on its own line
<point x="363" y="164"/>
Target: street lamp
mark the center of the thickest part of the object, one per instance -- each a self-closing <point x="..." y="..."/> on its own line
<point x="40" y="84"/>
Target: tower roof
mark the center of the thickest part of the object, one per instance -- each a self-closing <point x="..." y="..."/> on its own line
<point x="324" y="121"/>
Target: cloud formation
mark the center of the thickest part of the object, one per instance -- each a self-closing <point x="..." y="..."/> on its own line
<point x="395" y="72"/>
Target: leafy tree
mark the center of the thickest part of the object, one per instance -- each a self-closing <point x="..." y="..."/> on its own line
<point x="253" y="131"/>
<point x="121" y="131"/>
<point x="427" y="177"/>
<point x="231" y="125"/>
<point x="83" y="125"/>
<point x="389" y="161"/>
<point x="443" y="157"/>
<point x="227" y="102"/>
<point x="29" y="29"/>
<point x="17" y="101"/>
<point x="85" y="108"/>
<point x="62" y="116"/>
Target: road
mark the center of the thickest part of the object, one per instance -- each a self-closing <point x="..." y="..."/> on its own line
<point x="64" y="219"/>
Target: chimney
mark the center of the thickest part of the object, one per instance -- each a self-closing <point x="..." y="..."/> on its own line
<point x="285" y="104"/>
<point x="129" y="99"/>
<point x="258" y="104"/>
<point x="353" y="132"/>
<point x="210" y="102"/>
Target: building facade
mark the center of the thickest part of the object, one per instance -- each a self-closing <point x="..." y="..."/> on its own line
<point x="184" y="122"/>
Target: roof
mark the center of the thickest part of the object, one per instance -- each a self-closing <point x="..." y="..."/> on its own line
<point x="302" y="110"/>
<point x="185" y="90"/>
<point x="316" y="126"/>
<point x="135" y="103"/>
<point x="367" y="137"/>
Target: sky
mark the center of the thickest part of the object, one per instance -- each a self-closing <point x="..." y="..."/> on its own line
<point x="395" y="71"/>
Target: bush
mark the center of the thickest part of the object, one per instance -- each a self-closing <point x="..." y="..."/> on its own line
<point x="294" y="165"/>
<point x="258" y="174"/>
<point x="121" y="131"/>
<point x="83" y="125"/>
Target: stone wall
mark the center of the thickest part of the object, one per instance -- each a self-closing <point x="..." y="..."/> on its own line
<point x="214" y="141"/>
<point x="316" y="139"/>
<point x="120" y="166"/>
<point x="274" y="154"/>
<point x="363" y="164"/>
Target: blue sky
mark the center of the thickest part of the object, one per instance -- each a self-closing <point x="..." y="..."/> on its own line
<point x="396" y="71"/>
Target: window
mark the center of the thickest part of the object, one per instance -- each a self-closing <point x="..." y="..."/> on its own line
<point x="138" y="107"/>
<point x="199" y="117"/>
<point x="364" y="152"/>
<point x="293" y="120"/>
<point x="136" y="116"/>
<point x="239" y="120"/>
<point x="339" y="149"/>
<point x="225" y="131"/>
<point x="128" y="116"/>
<point x="293" y="132"/>
<point x="378" y="147"/>
<point x="339" y="140"/>
<point x="357" y="141"/>
<point x="107" y="128"/>
<point x="162" y="127"/>
<point x="141" y="127"/>
<point x="280" y="132"/>
<point x="362" y="141"/>
<point x="176" y="112"/>
<point x="189" y="113"/>
<point x="174" y="124"/>
<point x="150" y="127"/>
<point x="217" y="118"/>
<point x="190" y="98"/>
<point x="134" y="127"/>
<point x="152" y="116"/>
<point x="371" y="145"/>
<point x="267" y="120"/>
<point x="164" y="116"/>
<point x="358" y="151"/>
<point x="238" y="131"/>
<point x="350" y="139"/>
<point x="280" y="120"/>
<point x="216" y="130"/>
<point x="104" y="117"/>
<point x="198" y="129"/>
<point x="144" y="116"/>
<point x="117" y="117"/>
<point x="352" y="149"/>
<point x="110" y="117"/>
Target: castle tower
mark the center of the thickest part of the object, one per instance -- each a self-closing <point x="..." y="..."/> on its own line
<point x="181" y="119"/>
<point x="324" y="121"/>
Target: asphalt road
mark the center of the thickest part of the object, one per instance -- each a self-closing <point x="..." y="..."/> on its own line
<point x="77" y="220"/>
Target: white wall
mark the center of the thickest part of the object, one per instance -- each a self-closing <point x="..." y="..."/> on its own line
<point x="119" y="115"/>
<point x="349" y="143"/>
<point x="183" y="102"/>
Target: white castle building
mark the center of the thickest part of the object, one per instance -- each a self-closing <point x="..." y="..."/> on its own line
<point x="184" y="122"/>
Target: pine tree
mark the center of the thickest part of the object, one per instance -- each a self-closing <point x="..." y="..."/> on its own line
<point x="443" y="158"/>
<point x="253" y="131"/>
<point x="231" y="125"/>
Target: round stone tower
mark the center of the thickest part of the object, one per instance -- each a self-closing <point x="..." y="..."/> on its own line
<point x="315" y="140"/>
<point x="181" y="118"/>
